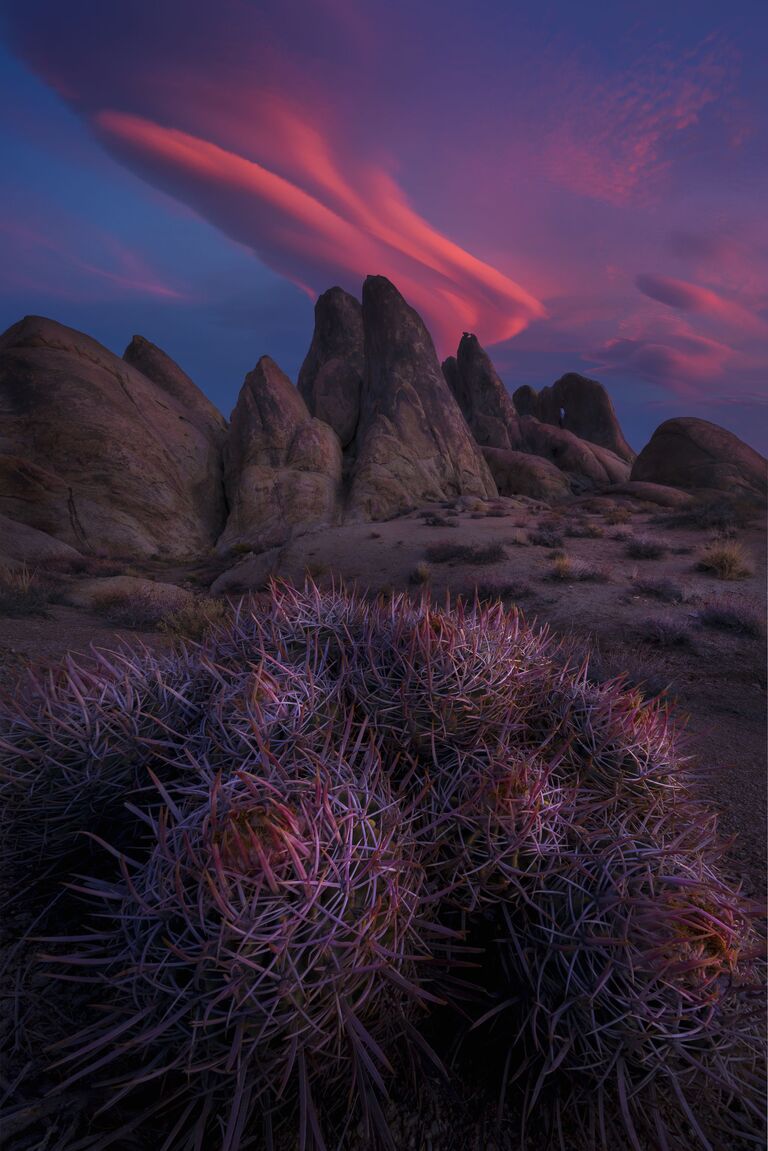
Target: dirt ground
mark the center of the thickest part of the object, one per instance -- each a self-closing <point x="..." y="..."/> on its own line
<point x="715" y="681"/>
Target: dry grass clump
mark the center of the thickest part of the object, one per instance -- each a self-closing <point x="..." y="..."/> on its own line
<point x="545" y="537"/>
<point x="432" y="520"/>
<point x="515" y="589"/>
<point x="446" y="552"/>
<point x="732" y="614"/>
<point x="196" y="617"/>
<point x="568" y="568"/>
<point x="518" y="539"/>
<point x="421" y="574"/>
<point x="141" y="610"/>
<point x="726" y="560"/>
<point x="663" y="589"/>
<point x="584" y="530"/>
<point x="645" y="548"/>
<point x="618" y="515"/>
<point x="724" y="516"/>
<point x="665" y="631"/>
<point x="22" y="592"/>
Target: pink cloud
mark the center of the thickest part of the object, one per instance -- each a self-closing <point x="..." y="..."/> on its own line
<point x="327" y="218"/>
<point x="689" y="297"/>
<point x="35" y="243"/>
<point x="613" y="136"/>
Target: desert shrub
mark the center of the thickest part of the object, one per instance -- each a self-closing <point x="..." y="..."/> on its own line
<point x="721" y="515"/>
<point x="545" y="537"/>
<point x="421" y="574"/>
<point x="665" y="631"/>
<point x="513" y="589"/>
<point x="23" y="592"/>
<point x="571" y="568"/>
<point x="328" y="801"/>
<point x="518" y="539"/>
<point x="142" y="610"/>
<point x="374" y="535"/>
<point x="732" y="614"/>
<point x="645" y="548"/>
<point x="195" y="617"/>
<point x="726" y="560"/>
<point x="663" y="589"/>
<point x="432" y="520"/>
<point x="622" y="535"/>
<point x="584" y="530"/>
<point x="618" y="515"/>
<point x="445" y="552"/>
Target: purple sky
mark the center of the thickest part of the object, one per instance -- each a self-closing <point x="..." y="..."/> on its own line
<point x="581" y="184"/>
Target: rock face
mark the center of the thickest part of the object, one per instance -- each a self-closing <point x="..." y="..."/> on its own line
<point x="690" y="453"/>
<point x="21" y="544"/>
<point x="522" y="474"/>
<point x="497" y="425"/>
<point x="98" y="455"/>
<point x="412" y="444"/>
<point x="482" y="397"/>
<point x="578" y="405"/>
<point x="282" y="467"/>
<point x="331" y="377"/>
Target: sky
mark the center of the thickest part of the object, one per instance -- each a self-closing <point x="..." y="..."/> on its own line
<point x="583" y="185"/>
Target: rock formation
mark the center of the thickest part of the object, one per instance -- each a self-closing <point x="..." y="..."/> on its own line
<point x="96" y="454"/>
<point x="523" y="474"/>
<point x="578" y="405"/>
<point x="497" y="425"/>
<point x="694" y="454"/>
<point x="282" y="467"/>
<point x="21" y="544"/>
<point x="331" y="377"/>
<point x="412" y="444"/>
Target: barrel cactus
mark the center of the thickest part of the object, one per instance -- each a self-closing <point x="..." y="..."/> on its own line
<point x="332" y="802"/>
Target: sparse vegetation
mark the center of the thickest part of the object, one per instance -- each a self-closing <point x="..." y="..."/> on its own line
<point x="645" y="548"/>
<point x="196" y="617"/>
<point x="545" y="537"/>
<point x="421" y="574"/>
<point x="584" y="530"/>
<point x="141" y="610"/>
<point x="495" y="591"/>
<point x="447" y="552"/>
<point x="726" y="559"/>
<point x="567" y="568"/>
<point x="732" y="614"/>
<point x="618" y="515"/>
<point x="22" y="592"/>
<point x="663" y="589"/>
<point x="432" y="520"/>
<point x="665" y="631"/>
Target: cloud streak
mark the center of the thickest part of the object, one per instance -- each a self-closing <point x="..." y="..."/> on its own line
<point x="314" y="236"/>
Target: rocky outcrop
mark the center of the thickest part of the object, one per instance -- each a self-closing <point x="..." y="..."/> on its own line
<point x="694" y="454"/>
<point x="496" y="424"/>
<point x="21" y="544"/>
<point x="98" y="455"/>
<point x="412" y="444"/>
<point x="519" y="473"/>
<point x="282" y="467"/>
<point x="665" y="497"/>
<point x="482" y="397"/>
<point x="157" y="366"/>
<point x="331" y="377"/>
<point x="578" y="405"/>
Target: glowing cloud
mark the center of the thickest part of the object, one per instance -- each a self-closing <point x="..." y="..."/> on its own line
<point x="689" y="297"/>
<point x="334" y="230"/>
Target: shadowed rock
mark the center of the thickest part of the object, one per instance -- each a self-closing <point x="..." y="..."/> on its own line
<point x="331" y="377"/>
<point x="21" y="544"/>
<point x="482" y="397"/>
<point x="690" y="453"/>
<point x="98" y="455"/>
<point x="578" y="405"/>
<point x="282" y="467"/>
<point x="519" y="473"/>
<point x="495" y="424"/>
<point x="412" y="444"/>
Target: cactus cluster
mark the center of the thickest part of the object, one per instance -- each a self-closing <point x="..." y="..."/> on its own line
<point x="336" y="813"/>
